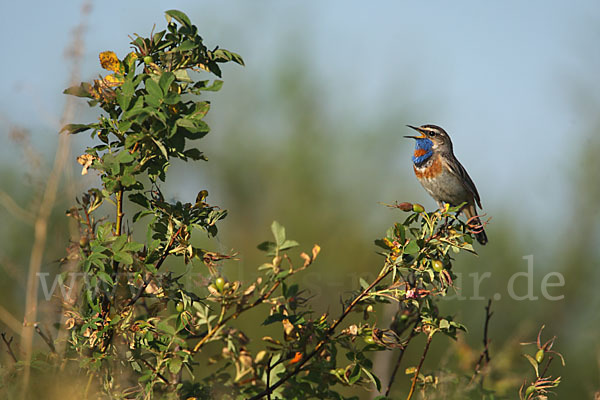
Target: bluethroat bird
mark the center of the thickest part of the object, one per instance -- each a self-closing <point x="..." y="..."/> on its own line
<point x="443" y="177"/>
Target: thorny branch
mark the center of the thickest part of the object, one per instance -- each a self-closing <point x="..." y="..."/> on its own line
<point x="159" y="263"/>
<point x="413" y="333"/>
<point x="328" y="334"/>
<point x="416" y="377"/>
<point x="485" y="354"/>
<point x="9" y="350"/>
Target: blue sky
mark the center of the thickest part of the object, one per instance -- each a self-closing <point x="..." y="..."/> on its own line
<point x="499" y="76"/>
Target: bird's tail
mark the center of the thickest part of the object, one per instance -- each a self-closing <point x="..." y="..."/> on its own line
<point x="475" y="224"/>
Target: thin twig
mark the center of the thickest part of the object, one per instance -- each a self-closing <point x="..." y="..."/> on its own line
<point x="223" y="321"/>
<point x="269" y="376"/>
<point x="546" y="368"/>
<point x="323" y="341"/>
<point x="9" y="349"/>
<point x="485" y="354"/>
<point x="486" y="342"/>
<point x="259" y="300"/>
<point x="416" y="377"/>
<point x="162" y="378"/>
<point x="46" y="338"/>
<point x="413" y="333"/>
<point x="159" y="263"/>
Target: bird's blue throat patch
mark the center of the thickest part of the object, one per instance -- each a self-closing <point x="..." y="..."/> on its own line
<point x="423" y="151"/>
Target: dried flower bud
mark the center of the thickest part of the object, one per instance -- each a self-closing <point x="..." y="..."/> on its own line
<point x="405" y="206"/>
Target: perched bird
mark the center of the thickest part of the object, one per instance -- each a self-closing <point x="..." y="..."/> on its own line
<point x="443" y="177"/>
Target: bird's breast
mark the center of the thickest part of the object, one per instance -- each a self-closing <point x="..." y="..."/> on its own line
<point x="428" y="170"/>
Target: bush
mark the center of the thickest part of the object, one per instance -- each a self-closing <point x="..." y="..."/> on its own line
<point x="137" y="330"/>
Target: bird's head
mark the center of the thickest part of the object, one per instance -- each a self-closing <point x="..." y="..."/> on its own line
<point x="432" y="136"/>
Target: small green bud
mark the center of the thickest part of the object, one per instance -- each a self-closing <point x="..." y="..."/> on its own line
<point x="220" y="284"/>
<point x="179" y="307"/>
<point x="418" y="208"/>
<point x="83" y="241"/>
<point x="529" y="390"/>
<point x="539" y="356"/>
<point x="148" y="60"/>
<point x="438" y="266"/>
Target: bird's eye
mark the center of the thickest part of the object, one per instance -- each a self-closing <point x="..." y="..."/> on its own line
<point x="431" y="133"/>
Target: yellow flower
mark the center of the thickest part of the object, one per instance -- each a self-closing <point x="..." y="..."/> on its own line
<point x="109" y="61"/>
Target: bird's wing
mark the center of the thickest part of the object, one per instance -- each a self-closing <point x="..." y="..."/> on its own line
<point x="456" y="168"/>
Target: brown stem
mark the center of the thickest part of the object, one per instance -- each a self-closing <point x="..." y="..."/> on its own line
<point x="159" y="263"/>
<point x="119" y="212"/>
<point x="223" y="321"/>
<point x="485" y="354"/>
<point x="547" y="365"/>
<point x="8" y="343"/>
<point x="269" y="376"/>
<point x="323" y="341"/>
<point x="416" y="377"/>
<point x="413" y="333"/>
<point x="236" y="314"/>
<point x="162" y="378"/>
<point x="45" y="338"/>
<point x="488" y="316"/>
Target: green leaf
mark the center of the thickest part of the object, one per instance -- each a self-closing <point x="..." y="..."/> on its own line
<point x="165" y="81"/>
<point x="166" y="327"/>
<point x="373" y="378"/>
<point x="83" y="90"/>
<point x="175" y="365"/>
<point x="205" y="86"/>
<point x="123" y="257"/>
<point x="124" y="157"/>
<point x="187" y="45"/>
<point x="128" y="180"/>
<point x="75" y="128"/>
<point x="400" y="232"/>
<point x="288" y="244"/>
<point x="140" y="199"/>
<point x="354" y="374"/>
<point x="125" y="94"/>
<point x="444" y="324"/>
<point x="153" y="89"/>
<point x="133" y="246"/>
<point x="194" y="154"/>
<point x="278" y="232"/>
<point x="161" y="147"/>
<point x="105" y="277"/>
<point x="278" y="317"/>
<point x="182" y="75"/>
<point x="363" y="284"/>
<point x="533" y="363"/>
<point x="269" y="247"/>
<point x="381" y="243"/>
<point x="179" y="17"/>
<point x="222" y="55"/>
<point x="201" y="108"/>
<point x="119" y="243"/>
<point x="411" y="248"/>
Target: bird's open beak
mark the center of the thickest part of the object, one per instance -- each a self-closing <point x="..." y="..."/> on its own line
<point x="416" y="129"/>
